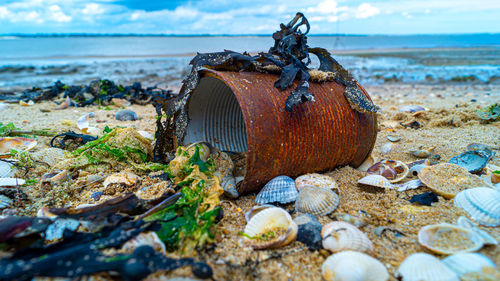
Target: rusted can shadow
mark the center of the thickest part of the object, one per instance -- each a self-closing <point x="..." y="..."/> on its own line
<point x="243" y="111"/>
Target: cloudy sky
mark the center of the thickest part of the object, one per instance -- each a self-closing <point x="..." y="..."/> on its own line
<point x="248" y="17"/>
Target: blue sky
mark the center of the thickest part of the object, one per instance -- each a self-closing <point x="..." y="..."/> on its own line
<point x="249" y="17"/>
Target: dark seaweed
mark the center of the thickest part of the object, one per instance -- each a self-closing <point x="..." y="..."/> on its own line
<point x="79" y="139"/>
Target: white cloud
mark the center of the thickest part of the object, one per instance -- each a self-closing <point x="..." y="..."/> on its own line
<point x="366" y="10"/>
<point x="57" y="15"/>
<point x="93" y="9"/>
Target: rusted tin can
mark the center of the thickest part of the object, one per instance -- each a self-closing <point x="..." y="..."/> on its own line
<point x="243" y="111"/>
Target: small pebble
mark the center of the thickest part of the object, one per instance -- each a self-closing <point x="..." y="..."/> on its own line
<point x="126" y="115"/>
<point x="96" y="195"/>
<point x="309" y="231"/>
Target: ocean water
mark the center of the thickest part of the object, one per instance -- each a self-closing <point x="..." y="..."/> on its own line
<point x="30" y="61"/>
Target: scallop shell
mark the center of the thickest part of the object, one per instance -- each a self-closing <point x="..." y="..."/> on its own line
<point x="424" y="267"/>
<point x="5" y="202"/>
<point x="270" y="222"/>
<point x="482" y="204"/>
<point x="394" y="171"/>
<point x="466" y="223"/>
<point x="316" y="180"/>
<point x="316" y="201"/>
<point x="449" y="239"/>
<point x="280" y="189"/>
<point x="448" y="179"/>
<point x="340" y="236"/>
<point x="15" y="143"/>
<point x="376" y="181"/>
<point x="473" y="160"/>
<point x="353" y="266"/>
<point x="467" y="263"/>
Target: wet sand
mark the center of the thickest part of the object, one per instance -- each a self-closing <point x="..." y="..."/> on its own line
<point x="449" y="125"/>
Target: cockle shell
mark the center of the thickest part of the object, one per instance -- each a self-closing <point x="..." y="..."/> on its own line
<point x="340" y="236"/>
<point x="316" y="201"/>
<point x="424" y="267"/>
<point x="448" y="179"/>
<point x="466" y="223"/>
<point x="280" y="189"/>
<point x="449" y="239"/>
<point x="270" y="228"/>
<point x="376" y="181"/>
<point x="467" y="263"/>
<point x="353" y="266"/>
<point x="394" y="171"/>
<point x="15" y="143"/>
<point x="482" y="204"/>
<point x="315" y="180"/>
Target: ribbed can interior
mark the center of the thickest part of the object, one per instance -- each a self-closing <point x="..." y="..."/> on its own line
<point x="215" y="117"/>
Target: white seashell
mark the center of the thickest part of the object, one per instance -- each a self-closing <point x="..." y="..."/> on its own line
<point x="340" y="236"/>
<point x="255" y="210"/>
<point x="149" y="238"/>
<point x="6" y="169"/>
<point x="413" y="184"/>
<point x="147" y="135"/>
<point x="415" y="169"/>
<point x="316" y="201"/>
<point x="270" y="228"/>
<point x="315" y="180"/>
<point x="353" y="266"/>
<point x="376" y="181"/>
<point x="369" y="161"/>
<point x="482" y="204"/>
<point x="424" y="267"/>
<point x="466" y="223"/>
<point x="465" y="263"/>
<point x="449" y="239"/>
<point x="18" y="144"/>
<point x="11" y="182"/>
<point x="83" y="122"/>
<point x="5" y="202"/>
<point x="280" y="189"/>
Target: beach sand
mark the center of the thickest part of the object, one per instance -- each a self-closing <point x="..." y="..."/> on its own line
<point x="449" y="124"/>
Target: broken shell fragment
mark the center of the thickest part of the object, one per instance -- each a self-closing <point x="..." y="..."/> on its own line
<point x="316" y="201"/>
<point x="422" y="153"/>
<point x="55" y="176"/>
<point x="447" y="239"/>
<point x="125" y="178"/>
<point x="65" y="104"/>
<point x="375" y="181"/>
<point x="11" y="182"/>
<point x="354" y="220"/>
<point x="411" y="108"/>
<point x="340" y="236"/>
<point x="394" y="171"/>
<point x="478" y="146"/>
<point x="482" y="204"/>
<point x="424" y="267"/>
<point x="149" y="238"/>
<point x="448" y="179"/>
<point x="473" y="160"/>
<point x="413" y="184"/>
<point x="6" y="169"/>
<point x="9" y="144"/>
<point x="270" y="228"/>
<point x="281" y="189"/>
<point x="393" y="138"/>
<point x="369" y="161"/>
<point x="315" y="180"/>
<point x="471" y="263"/>
<point x="83" y="122"/>
<point x="353" y="266"/>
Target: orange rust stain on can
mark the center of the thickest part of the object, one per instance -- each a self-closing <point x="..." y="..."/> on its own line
<point x="318" y="136"/>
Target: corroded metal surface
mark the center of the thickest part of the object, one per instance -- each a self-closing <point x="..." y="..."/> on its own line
<point x="317" y="136"/>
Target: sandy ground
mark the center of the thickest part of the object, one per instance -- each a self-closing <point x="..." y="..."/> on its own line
<point x="449" y="125"/>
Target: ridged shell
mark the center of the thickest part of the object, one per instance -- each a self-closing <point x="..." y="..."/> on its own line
<point x="466" y="263"/>
<point x="340" y="236"/>
<point x="482" y="204"/>
<point x="315" y="180"/>
<point x="316" y="201"/>
<point x="15" y="143"/>
<point x="375" y="181"/>
<point x="271" y="222"/>
<point x="449" y="239"/>
<point x="353" y="266"/>
<point x="280" y="189"/>
<point x="424" y="267"/>
<point x="466" y="223"/>
<point x="5" y="202"/>
<point x="448" y="179"/>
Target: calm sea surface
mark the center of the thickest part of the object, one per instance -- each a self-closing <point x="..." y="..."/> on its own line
<point x="27" y="61"/>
